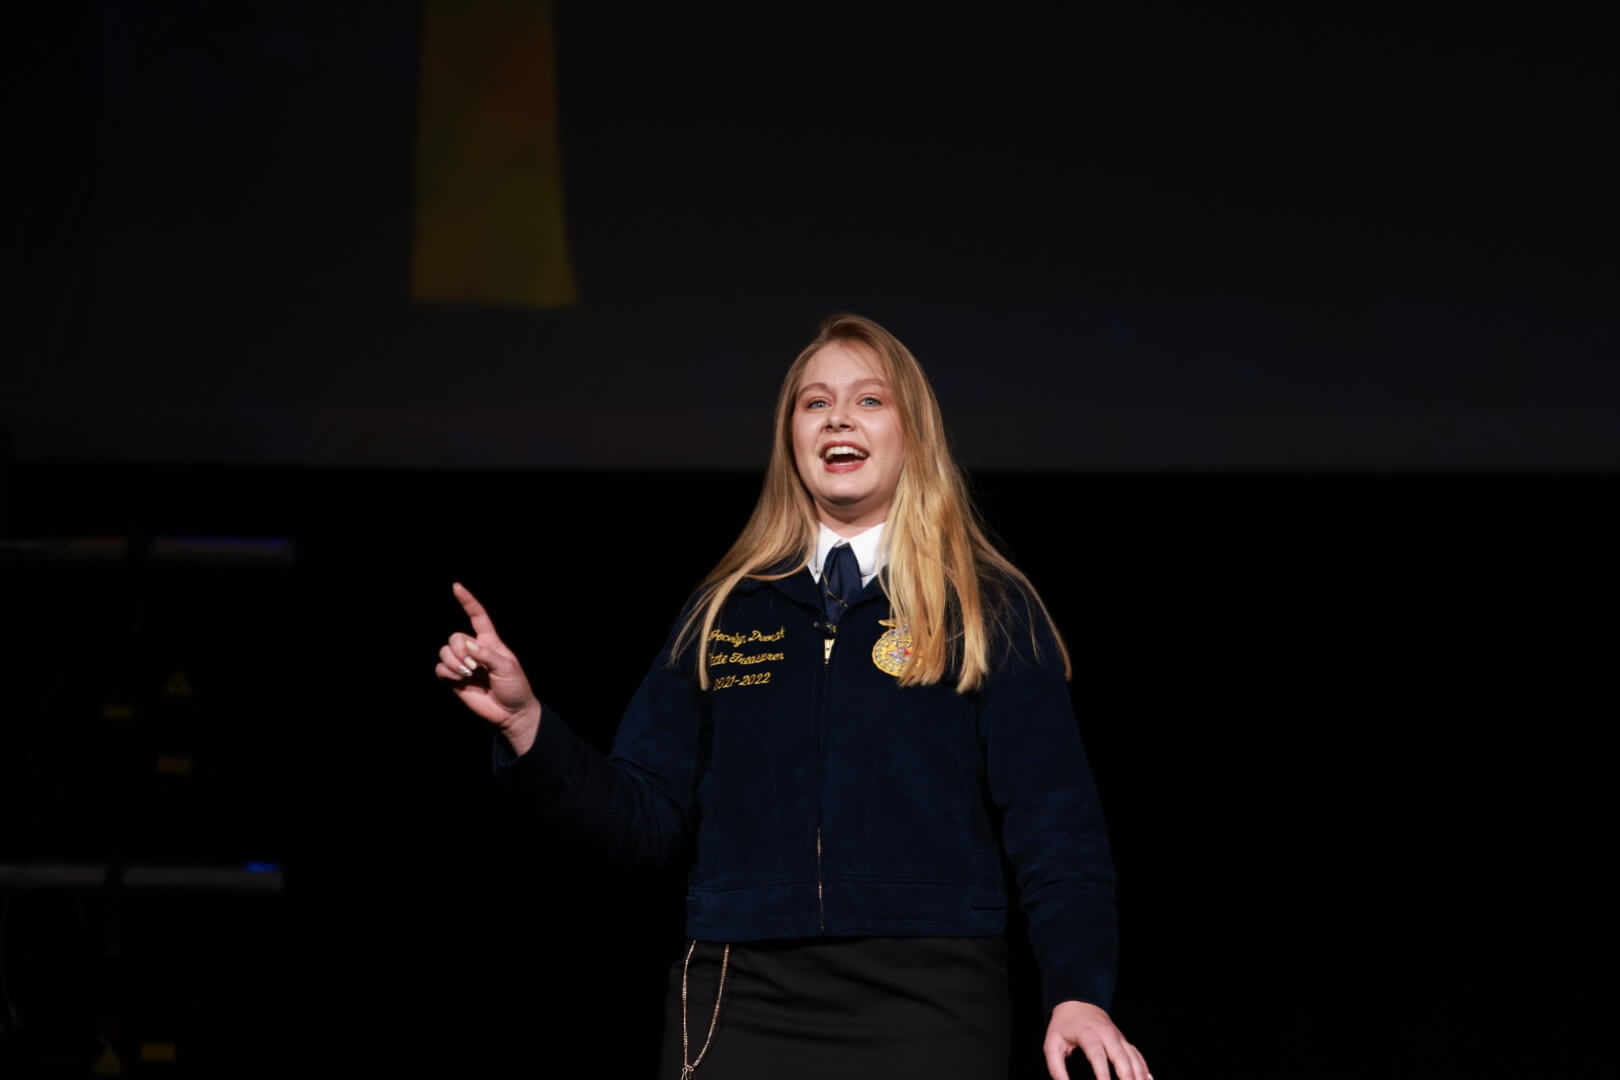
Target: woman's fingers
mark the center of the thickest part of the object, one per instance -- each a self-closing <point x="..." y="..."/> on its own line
<point x="1076" y="1025"/>
<point x="459" y="654"/>
<point x="1057" y="1065"/>
<point x="463" y="656"/>
<point x="1098" y="1057"/>
<point x="1127" y="1060"/>
<point x="454" y="666"/>
<point x="482" y="625"/>
<point x="466" y="648"/>
<point x="493" y="657"/>
<point x="487" y="677"/>
<point x="1139" y="1067"/>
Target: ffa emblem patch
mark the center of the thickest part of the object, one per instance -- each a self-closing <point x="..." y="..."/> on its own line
<point x="893" y="650"/>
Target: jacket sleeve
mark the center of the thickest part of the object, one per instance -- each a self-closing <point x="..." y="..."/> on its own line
<point x="636" y="804"/>
<point x="1052" y="826"/>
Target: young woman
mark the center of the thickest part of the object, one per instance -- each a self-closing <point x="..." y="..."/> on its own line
<point x="862" y="711"/>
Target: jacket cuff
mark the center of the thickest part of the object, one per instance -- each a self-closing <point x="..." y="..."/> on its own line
<point x="551" y="761"/>
<point x="1076" y="983"/>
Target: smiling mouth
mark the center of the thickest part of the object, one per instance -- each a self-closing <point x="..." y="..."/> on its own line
<point x="843" y="454"/>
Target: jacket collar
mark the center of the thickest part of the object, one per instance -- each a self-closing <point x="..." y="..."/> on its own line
<point x="802" y="589"/>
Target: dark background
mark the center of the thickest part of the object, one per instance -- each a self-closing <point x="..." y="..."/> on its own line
<point x="1156" y="239"/>
<point x="1281" y="354"/>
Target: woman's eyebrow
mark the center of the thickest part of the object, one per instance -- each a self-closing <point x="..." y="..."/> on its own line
<point x="869" y="380"/>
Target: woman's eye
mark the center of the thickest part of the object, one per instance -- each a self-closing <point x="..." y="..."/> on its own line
<point x="871" y="399"/>
<point x="816" y="403"/>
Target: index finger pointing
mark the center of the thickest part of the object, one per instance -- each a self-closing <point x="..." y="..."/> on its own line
<point x="481" y="624"/>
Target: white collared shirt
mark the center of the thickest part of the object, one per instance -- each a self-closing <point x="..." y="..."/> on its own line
<point x="868" y="553"/>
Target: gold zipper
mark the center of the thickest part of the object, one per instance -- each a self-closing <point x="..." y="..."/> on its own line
<point x="821" y="900"/>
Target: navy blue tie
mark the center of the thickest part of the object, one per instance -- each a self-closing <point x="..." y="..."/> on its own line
<point x="840" y="581"/>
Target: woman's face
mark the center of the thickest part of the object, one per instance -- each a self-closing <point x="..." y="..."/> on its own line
<point x="846" y="437"/>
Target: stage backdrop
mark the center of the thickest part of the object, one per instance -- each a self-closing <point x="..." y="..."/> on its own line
<point x="524" y="234"/>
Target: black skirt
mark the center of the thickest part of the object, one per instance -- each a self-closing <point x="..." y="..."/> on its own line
<point x="843" y="1007"/>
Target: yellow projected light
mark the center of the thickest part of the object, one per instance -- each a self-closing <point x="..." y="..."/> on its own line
<point x="489" y="210"/>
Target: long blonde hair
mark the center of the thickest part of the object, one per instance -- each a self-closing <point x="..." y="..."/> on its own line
<point x="944" y="579"/>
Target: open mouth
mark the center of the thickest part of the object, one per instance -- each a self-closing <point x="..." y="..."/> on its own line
<point x="845" y="455"/>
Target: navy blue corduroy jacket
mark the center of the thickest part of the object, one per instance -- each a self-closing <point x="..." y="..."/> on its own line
<point x="825" y="799"/>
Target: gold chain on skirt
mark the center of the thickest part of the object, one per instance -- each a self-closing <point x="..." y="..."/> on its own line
<point x="690" y="1067"/>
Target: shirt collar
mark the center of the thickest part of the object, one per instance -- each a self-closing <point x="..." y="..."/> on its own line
<point x="867" y="547"/>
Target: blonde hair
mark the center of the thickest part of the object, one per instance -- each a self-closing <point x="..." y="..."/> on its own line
<point x="944" y="579"/>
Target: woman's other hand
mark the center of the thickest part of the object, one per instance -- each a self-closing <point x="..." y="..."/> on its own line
<point x="1077" y="1025"/>
<point x="487" y="677"/>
